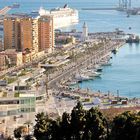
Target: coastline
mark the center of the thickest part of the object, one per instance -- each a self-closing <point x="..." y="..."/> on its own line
<point x="92" y="60"/>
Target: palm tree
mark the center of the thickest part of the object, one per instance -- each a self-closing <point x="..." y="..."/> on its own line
<point x="37" y="85"/>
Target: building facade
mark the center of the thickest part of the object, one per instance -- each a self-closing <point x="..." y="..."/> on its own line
<point x="2" y="62"/>
<point x="29" y="35"/>
<point x="1" y="44"/>
<point x="10" y="58"/>
<point x="26" y="34"/>
<point x="9" y="33"/>
<point x="46" y="33"/>
<point x="19" y="33"/>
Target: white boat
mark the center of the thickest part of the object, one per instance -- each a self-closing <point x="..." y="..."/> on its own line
<point x="105" y="63"/>
<point x="62" y="17"/>
<point x="82" y="77"/>
<point x="91" y="73"/>
<point x="98" y="68"/>
<point x="97" y="74"/>
<point x="72" y="83"/>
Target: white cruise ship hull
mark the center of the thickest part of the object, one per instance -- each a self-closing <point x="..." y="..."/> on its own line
<point x="62" y="17"/>
<point x="60" y="22"/>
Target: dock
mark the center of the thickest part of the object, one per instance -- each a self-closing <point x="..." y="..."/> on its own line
<point x="4" y="10"/>
<point x="110" y="8"/>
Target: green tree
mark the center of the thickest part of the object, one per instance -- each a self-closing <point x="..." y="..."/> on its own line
<point x="126" y="126"/>
<point x="65" y="126"/>
<point x="41" y="126"/>
<point x="54" y="130"/>
<point x="18" y="132"/>
<point x="29" y="137"/>
<point x="95" y="125"/>
<point x="77" y="121"/>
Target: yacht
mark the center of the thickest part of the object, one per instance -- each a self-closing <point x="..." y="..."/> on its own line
<point x="98" y="68"/>
<point x="82" y="77"/>
<point x="105" y="63"/>
<point x="91" y="73"/>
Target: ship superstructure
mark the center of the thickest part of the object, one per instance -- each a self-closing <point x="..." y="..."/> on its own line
<point x="62" y="17"/>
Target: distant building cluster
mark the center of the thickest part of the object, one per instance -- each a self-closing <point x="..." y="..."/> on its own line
<point x="25" y="39"/>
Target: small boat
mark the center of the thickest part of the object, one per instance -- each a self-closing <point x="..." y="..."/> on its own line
<point x="98" y="68"/>
<point x="72" y="83"/>
<point x="115" y="51"/>
<point x="133" y="39"/>
<point x="91" y="73"/>
<point x="106" y="63"/>
<point x="82" y="77"/>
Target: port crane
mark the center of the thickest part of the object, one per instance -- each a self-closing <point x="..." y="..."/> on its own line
<point x="124" y="4"/>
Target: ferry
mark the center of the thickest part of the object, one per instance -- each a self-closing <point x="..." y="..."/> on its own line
<point x="63" y="17"/>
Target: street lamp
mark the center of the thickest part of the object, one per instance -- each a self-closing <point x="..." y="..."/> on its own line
<point x="117" y="94"/>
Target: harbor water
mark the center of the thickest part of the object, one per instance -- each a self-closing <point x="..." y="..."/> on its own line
<point x="124" y="74"/>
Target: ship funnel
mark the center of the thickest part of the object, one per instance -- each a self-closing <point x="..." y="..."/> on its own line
<point x="66" y="6"/>
<point x="42" y="11"/>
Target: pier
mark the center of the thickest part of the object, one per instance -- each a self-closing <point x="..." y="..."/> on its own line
<point x="4" y="10"/>
<point x="109" y="8"/>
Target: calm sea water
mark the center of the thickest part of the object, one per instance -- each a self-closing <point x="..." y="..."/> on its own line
<point x="124" y="74"/>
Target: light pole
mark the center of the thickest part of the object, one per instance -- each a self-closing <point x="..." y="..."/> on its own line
<point x="118" y="95"/>
<point x="18" y="85"/>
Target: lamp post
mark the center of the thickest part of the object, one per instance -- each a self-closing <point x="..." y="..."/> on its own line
<point x="18" y="85"/>
<point x="117" y="94"/>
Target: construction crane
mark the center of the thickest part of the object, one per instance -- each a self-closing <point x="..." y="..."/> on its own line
<point x="124" y="4"/>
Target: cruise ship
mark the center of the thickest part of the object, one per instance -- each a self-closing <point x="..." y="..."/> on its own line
<point x="63" y="17"/>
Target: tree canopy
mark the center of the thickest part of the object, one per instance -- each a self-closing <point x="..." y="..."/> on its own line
<point x="84" y="124"/>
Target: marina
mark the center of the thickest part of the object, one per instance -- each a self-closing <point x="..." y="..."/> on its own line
<point x="117" y="74"/>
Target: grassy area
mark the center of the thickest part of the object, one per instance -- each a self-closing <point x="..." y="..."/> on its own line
<point x="16" y="94"/>
<point x="10" y="79"/>
<point x="22" y="73"/>
<point x="4" y="94"/>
